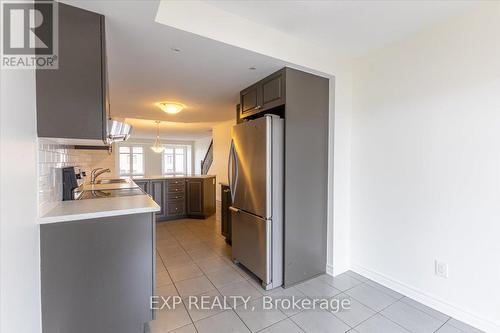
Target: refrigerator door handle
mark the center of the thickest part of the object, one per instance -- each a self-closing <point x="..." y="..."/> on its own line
<point x="229" y="169"/>
<point x="236" y="210"/>
<point x="236" y="164"/>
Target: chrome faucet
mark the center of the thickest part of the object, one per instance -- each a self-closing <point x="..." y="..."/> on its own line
<point x="96" y="173"/>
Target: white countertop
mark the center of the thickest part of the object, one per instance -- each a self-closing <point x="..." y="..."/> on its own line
<point x="73" y="210"/>
<point x="172" y="177"/>
<point x="115" y="186"/>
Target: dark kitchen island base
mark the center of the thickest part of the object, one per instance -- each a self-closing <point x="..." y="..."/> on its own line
<point x="181" y="197"/>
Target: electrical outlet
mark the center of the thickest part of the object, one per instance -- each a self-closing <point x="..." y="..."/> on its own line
<point x="441" y="269"/>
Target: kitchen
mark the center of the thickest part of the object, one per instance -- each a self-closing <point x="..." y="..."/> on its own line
<point x="249" y="155"/>
<point x="116" y="182"/>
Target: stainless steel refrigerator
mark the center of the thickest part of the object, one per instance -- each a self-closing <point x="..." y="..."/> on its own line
<point x="255" y="174"/>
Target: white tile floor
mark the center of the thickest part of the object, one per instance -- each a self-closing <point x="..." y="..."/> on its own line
<point x="193" y="259"/>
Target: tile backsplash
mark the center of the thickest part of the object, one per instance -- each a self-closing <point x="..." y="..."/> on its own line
<point x="52" y="157"/>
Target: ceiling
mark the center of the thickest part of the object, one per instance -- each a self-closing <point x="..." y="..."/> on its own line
<point x="348" y="28"/>
<point x="150" y="62"/>
<point x="144" y="129"/>
<point x="205" y="75"/>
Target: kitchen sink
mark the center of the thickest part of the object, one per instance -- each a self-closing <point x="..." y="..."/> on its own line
<point x="96" y="194"/>
<point x="112" y="181"/>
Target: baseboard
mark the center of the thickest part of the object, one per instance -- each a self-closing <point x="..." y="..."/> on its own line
<point x="429" y="300"/>
<point x="331" y="271"/>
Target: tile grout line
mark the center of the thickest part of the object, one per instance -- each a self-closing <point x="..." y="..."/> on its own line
<point x="373" y="315"/>
<point x="192" y="322"/>
<point x="389" y="319"/>
<point x="194" y="234"/>
<point x="232" y="309"/>
<point x="203" y="274"/>
<point x="397" y="300"/>
<point x="443" y="325"/>
<point x="280" y="321"/>
<point x="449" y="317"/>
<point x="357" y="300"/>
<point x="379" y="312"/>
<point x="215" y="288"/>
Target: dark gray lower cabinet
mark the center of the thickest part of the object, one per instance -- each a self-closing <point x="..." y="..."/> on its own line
<point x="157" y="191"/>
<point x="97" y="275"/>
<point x="200" y="193"/>
<point x="144" y="184"/>
<point x="181" y="197"/>
<point x="176" y="209"/>
<point x="195" y="196"/>
<point x="225" y="214"/>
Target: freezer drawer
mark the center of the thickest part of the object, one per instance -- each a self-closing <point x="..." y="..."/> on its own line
<point x="251" y="243"/>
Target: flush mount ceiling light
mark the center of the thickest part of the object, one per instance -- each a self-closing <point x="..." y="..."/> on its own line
<point x="171" y="107"/>
<point x="157" y="147"/>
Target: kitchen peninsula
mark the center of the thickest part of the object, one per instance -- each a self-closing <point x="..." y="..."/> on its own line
<point x="180" y="196"/>
<point x="100" y="254"/>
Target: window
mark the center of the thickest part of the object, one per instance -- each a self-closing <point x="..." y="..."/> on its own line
<point x="131" y="161"/>
<point x="175" y="160"/>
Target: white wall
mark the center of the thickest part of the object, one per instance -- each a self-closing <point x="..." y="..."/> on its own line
<point x="19" y="233"/>
<point x="426" y="166"/>
<point x="153" y="164"/>
<point x="52" y="157"/>
<point x="200" y="150"/>
<point x="221" y="134"/>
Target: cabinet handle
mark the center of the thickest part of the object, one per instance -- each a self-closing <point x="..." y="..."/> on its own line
<point x="258" y="107"/>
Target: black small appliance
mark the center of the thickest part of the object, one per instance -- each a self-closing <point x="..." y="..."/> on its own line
<point x="69" y="183"/>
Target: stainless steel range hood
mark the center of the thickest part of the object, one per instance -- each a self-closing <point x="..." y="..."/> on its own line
<point x="114" y="131"/>
<point x="117" y="131"/>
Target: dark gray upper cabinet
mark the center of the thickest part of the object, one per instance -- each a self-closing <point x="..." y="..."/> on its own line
<point x="238" y="113"/>
<point x="264" y="95"/>
<point x="250" y="100"/>
<point x="273" y="90"/>
<point x="72" y="101"/>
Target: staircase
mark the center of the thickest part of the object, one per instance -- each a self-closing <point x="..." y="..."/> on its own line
<point x="209" y="157"/>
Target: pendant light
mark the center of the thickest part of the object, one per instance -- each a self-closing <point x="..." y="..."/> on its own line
<point x="157" y="147"/>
